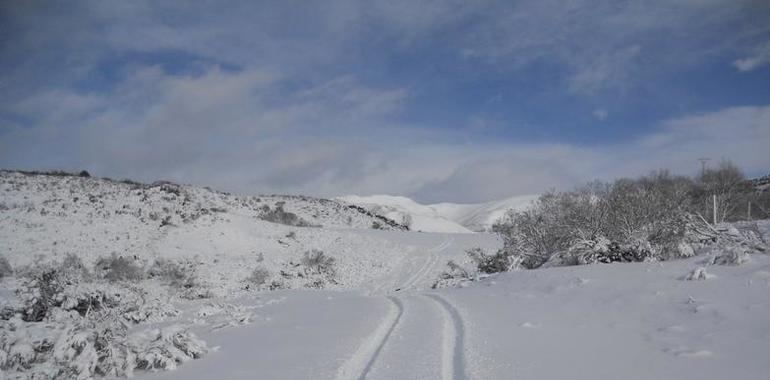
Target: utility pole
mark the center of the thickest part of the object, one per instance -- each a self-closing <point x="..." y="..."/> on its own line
<point x="749" y="213"/>
<point x="703" y="161"/>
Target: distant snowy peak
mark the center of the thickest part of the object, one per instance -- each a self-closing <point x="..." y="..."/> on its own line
<point x="441" y="217"/>
<point x="481" y="216"/>
<point x="406" y="211"/>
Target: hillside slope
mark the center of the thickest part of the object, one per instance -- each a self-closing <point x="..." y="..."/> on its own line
<point x="46" y="217"/>
<point x="419" y="217"/>
<point x="441" y="217"/>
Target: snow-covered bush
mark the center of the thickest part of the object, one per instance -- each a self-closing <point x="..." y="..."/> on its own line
<point x="454" y="275"/>
<point x="317" y="262"/>
<point x="279" y="215"/>
<point x="67" y="325"/>
<point x="164" y="349"/>
<point x="41" y="291"/>
<point x="73" y="264"/>
<point x="86" y="349"/>
<point x="52" y="293"/>
<point x="5" y="268"/>
<point x="171" y="272"/>
<point x="118" y="268"/>
<point x="499" y="262"/>
<point x="182" y="278"/>
<point x="258" y="278"/>
<point x="698" y="274"/>
<point x="627" y="220"/>
<point x="732" y="255"/>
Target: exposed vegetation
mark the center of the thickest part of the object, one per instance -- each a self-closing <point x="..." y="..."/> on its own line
<point x="655" y="217"/>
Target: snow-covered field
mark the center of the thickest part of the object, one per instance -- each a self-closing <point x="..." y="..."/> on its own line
<point x="377" y="316"/>
<point x="630" y="321"/>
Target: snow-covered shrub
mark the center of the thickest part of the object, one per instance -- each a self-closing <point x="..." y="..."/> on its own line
<point x="5" y="268"/>
<point x="685" y="250"/>
<point x="730" y="187"/>
<point x="118" y="268"/>
<point x="196" y="289"/>
<point x="277" y="285"/>
<point x="40" y="292"/>
<point x="16" y="350"/>
<point x="499" y="262"/>
<point x="317" y="262"/>
<point x="165" y="348"/>
<point x="698" y="274"/>
<point x="454" y="275"/>
<point x="73" y="264"/>
<point x="86" y="349"/>
<point x="279" y="215"/>
<point x="171" y="272"/>
<point x="733" y="255"/>
<point x="627" y="220"/>
<point x="181" y="276"/>
<point x="258" y="278"/>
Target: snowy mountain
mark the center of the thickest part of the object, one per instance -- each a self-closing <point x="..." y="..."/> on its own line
<point x="480" y="217"/>
<point x="441" y="217"/>
<point x="419" y="217"/>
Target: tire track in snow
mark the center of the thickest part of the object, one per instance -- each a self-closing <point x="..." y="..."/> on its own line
<point x="359" y="365"/>
<point x="429" y="264"/>
<point x="453" y="358"/>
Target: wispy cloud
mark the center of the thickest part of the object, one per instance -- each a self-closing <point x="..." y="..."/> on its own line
<point x="760" y="56"/>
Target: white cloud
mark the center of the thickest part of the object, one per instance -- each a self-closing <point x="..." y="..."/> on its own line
<point x="493" y="172"/>
<point x="271" y="107"/>
<point x="243" y="131"/>
<point x="760" y="56"/>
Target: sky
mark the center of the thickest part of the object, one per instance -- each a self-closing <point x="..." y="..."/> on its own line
<point x="456" y="101"/>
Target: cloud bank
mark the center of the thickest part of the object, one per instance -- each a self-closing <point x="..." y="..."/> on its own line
<point x="344" y="97"/>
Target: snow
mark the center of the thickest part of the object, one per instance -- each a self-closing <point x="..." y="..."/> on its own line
<point x="423" y="218"/>
<point x="441" y="217"/>
<point x="630" y="321"/>
<point x="480" y="217"/>
<point x="704" y="317"/>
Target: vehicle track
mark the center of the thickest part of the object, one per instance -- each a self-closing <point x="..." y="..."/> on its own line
<point x="385" y="353"/>
<point x="359" y="365"/>
<point x="428" y="265"/>
<point x="454" y="341"/>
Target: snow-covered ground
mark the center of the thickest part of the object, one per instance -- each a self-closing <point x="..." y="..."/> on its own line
<point x="630" y="321"/>
<point x="379" y="317"/>
<point x="441" y="217"/>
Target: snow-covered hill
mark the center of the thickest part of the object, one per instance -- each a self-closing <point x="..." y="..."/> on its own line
<point x="480" y="217"/>
<point x="441" y="217"/>
<point x="46" y="217"/>
<point x="602" y="321"/>
<point x="418" y="217"/>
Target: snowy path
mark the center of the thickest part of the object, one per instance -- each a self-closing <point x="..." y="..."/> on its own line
<point x="422" y="335"/>
<point x="415" y="271"/>
<point x="421" y="338"/>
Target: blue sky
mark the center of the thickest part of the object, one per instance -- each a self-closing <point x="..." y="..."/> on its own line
<point x="461" y="101"/>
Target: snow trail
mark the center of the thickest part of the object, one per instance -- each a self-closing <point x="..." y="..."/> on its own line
<point x="359" y="365"/>
<point x="421" y="337"/>
<point x="453" y="367"/>
<point x="429" y="264"/>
